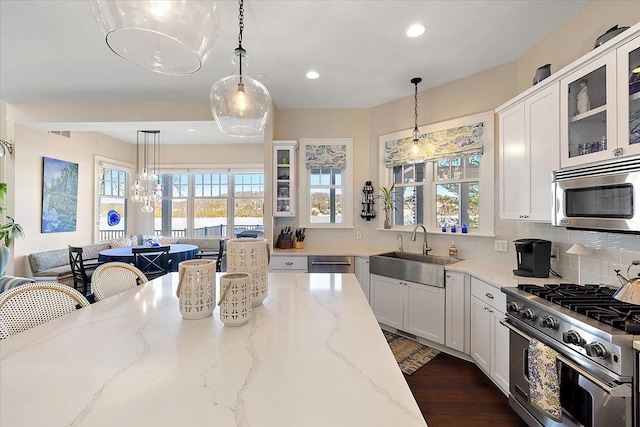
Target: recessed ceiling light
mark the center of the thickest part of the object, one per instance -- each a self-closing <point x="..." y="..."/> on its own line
<point x="313" y="75"/>
<point x="191" y="130"/>
<point x="415" y="30"/>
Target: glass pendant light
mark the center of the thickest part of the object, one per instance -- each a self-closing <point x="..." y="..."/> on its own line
<point x="169" y="37"/>
<point x="416" y="131"/>
<point x="147" y="187"/>
<point x="239" y="104"/>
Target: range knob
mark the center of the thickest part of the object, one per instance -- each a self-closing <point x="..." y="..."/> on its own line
<point x="527" y="314"/>
<point x="595" y="349"/>
<point x="513" y="307"/>
<point x="572" y="337"/>
<point x="549" y="322"/>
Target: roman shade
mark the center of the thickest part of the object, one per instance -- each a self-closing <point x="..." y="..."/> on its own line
<point x="454" y="142"/>
<point x="326" y="156"/>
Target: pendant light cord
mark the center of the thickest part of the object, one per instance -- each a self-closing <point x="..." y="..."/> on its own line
<point x="415" y="114"/>
<point x="240" y="50"/>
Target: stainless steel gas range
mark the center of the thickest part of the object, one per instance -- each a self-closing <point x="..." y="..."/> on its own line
<point x="593" y="335"/>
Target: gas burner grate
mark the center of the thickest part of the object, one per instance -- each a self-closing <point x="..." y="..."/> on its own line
<point x="593" y="301"/>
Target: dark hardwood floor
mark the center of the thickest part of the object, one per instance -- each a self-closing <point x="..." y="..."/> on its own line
<point x="452" y="393"/>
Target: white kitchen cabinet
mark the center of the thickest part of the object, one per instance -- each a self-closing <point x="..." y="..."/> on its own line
<point x="362" y="274"/>
<point x="457" y="311"/>
<point x="529" y="135"/>
<point x="284" y="178"/>
<point x="411" y="307"/>
<point x="288" y="264"/>
<point x="610" y="127"/>
<point x="489" y="339"/>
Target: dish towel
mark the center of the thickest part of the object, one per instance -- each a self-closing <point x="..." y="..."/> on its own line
<point x="544" y="381"/>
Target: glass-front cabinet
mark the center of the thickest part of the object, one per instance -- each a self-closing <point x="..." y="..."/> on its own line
<point x="588" y="113"/>
<point x="629" y="97"/>
<point x="600" y="108"/>
<point x="284" y="177"/>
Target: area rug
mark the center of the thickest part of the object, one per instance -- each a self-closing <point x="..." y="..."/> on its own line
<point x="409" y="354"/>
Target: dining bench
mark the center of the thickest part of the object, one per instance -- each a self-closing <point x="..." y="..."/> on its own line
<point x="54" y="265"/>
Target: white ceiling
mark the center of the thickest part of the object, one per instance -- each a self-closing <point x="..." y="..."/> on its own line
<point x="53" y="51"/>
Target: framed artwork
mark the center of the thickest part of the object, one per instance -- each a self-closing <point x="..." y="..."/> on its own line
<point x="59" y="196"/>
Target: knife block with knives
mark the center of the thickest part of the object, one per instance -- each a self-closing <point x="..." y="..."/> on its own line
<point x="285" y="239"/>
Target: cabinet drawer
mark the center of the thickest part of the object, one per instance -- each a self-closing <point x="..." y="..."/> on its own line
<point x="288" y="263"/>
<point x="488" y="294"/>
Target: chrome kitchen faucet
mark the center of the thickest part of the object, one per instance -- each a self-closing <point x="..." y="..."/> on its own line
<point x="425" y="247"/>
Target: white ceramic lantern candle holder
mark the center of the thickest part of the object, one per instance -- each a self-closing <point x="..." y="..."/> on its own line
<point x="250" y="256"/>
<point x="235" y="298"/>
<point x="196" y="288"/>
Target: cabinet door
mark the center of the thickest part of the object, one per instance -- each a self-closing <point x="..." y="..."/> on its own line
<point x="499" y="351"/>
<point x="387" y="300"/>
<point x="424" y="311"/>
<point x="629" y="98"/>
<point x="481" y="334"/>
<point x="588" y="113"/>
<point x="284" y="177"/>
<point x="457" y="312"/>
<point x="542" y="131"/>
<point x="514" y="161"/>
<point x="362" y="274"/>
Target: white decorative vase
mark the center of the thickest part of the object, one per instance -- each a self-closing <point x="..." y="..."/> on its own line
<point x="235" y="298"/>
<point x="250" y="256"/>
<point x="196" y="288"/>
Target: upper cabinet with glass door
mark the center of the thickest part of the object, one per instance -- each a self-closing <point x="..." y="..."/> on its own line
<point x="600" y="106"/>
<point x="284" y="178"/>
<point x="588" y="113"/>
<point x="629" y="98"/>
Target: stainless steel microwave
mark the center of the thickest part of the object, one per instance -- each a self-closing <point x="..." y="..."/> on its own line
<point x="602" y="196"/>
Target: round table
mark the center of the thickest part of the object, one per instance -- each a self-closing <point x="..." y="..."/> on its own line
<point x="177" y="253"/>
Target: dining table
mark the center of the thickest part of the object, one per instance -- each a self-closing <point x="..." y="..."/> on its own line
<point x="177" y="253"/>
<point x="312" y="354"/>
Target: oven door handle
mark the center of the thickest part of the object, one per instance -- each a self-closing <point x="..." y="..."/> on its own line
<point x="613" y="388"/>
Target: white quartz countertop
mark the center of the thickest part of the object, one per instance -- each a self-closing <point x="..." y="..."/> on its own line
<point x="497" y="274"/>
<point x="312" y="355"/>
<point x="331" y="250"/>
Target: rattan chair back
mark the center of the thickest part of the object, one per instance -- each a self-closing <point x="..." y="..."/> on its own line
<point x="33" y="304"/>
<point x="114" y="277"/>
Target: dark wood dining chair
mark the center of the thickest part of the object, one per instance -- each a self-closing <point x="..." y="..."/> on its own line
<point x="81" y="274"/>
<point x="153" y="262"/>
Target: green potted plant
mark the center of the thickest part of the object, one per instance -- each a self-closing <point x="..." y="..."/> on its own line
<point x="386" y="197"/>
<point x="8" y="230"/>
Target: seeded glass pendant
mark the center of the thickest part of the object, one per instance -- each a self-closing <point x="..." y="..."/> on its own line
<point x="169" y="37"/>
<point x="239" y="104"/>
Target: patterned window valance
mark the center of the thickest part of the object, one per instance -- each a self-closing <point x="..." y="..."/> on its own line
<point x="326" y="156"/>
<point x="454" y="142"/>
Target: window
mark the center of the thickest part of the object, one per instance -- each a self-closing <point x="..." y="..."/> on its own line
<point x="447" y="179"/>
<point x="198" y="204"/>
<point x="325" y="196"/>
<point x="408" y="181"/>
<point x="457" y="191"/>
<point x="326" y="183"/>
<point x="112" y="201"/>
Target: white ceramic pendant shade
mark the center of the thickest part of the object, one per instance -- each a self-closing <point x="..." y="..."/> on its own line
<point x="169" y="37"/>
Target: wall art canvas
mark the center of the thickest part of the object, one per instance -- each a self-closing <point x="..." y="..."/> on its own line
<point x="59" y="196"/>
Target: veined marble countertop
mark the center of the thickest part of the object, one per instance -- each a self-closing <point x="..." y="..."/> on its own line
<point x="312" y="355"/>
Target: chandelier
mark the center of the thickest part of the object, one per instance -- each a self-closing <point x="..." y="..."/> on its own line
<point x="169" y="37"/>
<point x="147" y="188"/>
<point x="240" y="105"/>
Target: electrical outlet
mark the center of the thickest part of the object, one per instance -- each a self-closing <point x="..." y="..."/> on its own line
<point x="555" y="254"/>
<point x="358" y="234"/>
<point x="500" y="245"/>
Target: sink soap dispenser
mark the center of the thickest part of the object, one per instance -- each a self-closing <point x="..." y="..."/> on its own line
<point x="453" y="251"/>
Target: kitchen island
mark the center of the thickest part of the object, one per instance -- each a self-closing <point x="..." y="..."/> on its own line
<point x="312" y="355"/>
